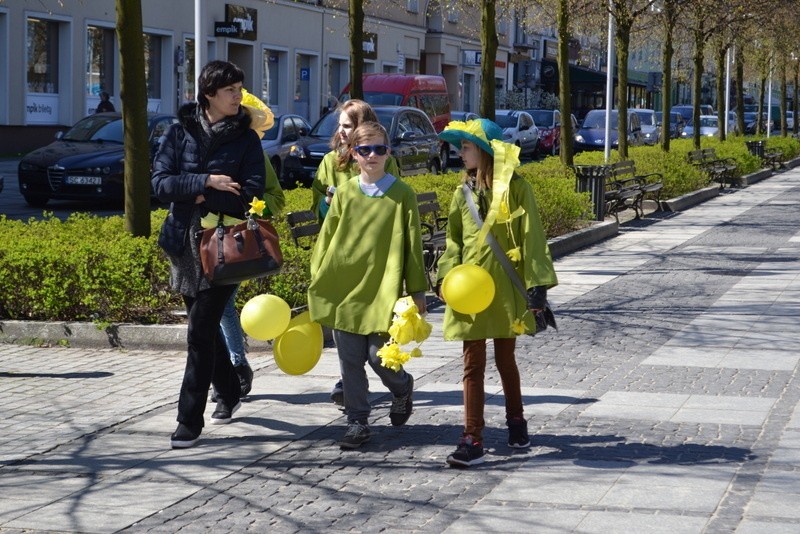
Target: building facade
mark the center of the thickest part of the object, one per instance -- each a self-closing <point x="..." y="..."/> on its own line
<point x="295" y="55"/>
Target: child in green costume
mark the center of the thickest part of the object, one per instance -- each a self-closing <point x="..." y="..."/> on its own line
<point x="368" y="254"/>
<point x="339" y="165"/>
<point x="507" y="209"/>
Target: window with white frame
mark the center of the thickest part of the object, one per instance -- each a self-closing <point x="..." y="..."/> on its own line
<point x="99" y="60"/>
<point x="42" y="64"/>
<point x="152" y="64"/>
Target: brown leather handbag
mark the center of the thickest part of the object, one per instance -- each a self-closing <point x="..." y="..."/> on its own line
<point x="233" y="254"/>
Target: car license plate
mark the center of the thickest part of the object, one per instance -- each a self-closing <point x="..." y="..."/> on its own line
<point x="84" y="180"/>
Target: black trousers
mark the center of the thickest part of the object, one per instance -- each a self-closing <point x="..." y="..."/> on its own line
<point x="207" y="361"/>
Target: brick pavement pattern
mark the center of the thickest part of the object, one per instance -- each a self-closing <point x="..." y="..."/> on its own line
<point x="666" y="402"/>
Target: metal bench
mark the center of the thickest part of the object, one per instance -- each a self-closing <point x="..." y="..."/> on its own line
<point x="434" y="233"/>
<point x="719" y="170"/>
<point x="627" y="189"/>
<point x="303" y="225"/>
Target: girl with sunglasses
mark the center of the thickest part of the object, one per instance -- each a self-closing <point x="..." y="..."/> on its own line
<point x="368" y="253"/>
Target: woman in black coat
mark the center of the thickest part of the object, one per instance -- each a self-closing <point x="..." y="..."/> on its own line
<point x="211" y="162"/>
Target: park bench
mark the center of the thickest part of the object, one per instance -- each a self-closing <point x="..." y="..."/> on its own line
<point x="720" y="170"/>
<point x="627" y="189"/>
<point x="434" y="233"/>
<point x="303" y="225"/>
<point x="769" y="157"/>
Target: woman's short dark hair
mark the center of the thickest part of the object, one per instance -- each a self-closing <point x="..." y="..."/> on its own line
<point x="216" y="75"/>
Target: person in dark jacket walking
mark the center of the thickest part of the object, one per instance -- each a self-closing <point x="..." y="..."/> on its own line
<point x="211" y="163"/>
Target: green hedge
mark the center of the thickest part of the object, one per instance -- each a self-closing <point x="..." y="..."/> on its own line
<point x="89" y="268"/>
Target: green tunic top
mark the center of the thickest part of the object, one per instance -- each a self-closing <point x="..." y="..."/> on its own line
<point x="329" y="174"/>
<point x="535" y="268"/>
<point x="368" y="254"/>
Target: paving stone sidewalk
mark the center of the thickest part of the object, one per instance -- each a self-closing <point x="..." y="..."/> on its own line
<point x="666" y="402"/>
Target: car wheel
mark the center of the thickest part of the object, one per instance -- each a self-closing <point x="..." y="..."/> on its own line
<point x="433" y="167"/>
<point x="36" y="201"/>
<point x="554" y="150"/>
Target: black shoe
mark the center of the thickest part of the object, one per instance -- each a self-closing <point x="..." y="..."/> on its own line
<point x="356" y="435"/>
<point x="402" y="406"/>
<point x="518" y="433"/>
<point x="245" y="373"/>
<point x="468" y="452"/>
<point x="223" y="415"/>
<point x="337" y="395"/>
<point x="214" y="394"/>
<point x="184" y="437"/>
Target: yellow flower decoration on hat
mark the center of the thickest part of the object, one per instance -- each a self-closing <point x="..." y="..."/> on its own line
<point x="407" y="326"/>
<point x="262" y="117"/>
<point x="472" y="127"/>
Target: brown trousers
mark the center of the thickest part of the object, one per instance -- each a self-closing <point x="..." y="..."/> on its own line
<point x="474" y="371"/>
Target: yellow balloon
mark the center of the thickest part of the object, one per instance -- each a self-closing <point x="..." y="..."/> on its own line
<point x="265" y="317"/>
<point x="468" y="289"/>
<point x="298" y="350"/>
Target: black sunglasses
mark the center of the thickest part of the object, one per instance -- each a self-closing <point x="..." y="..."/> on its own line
<point x="366" y="150"/>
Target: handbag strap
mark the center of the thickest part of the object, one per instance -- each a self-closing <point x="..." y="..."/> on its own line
<point x="493" y="244"/>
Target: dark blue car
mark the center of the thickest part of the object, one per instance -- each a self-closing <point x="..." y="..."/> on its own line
<point x="85" y="162"/>
<point x="592" y="133"/>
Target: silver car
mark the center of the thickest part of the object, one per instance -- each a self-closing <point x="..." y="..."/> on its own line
<point x="651" y="129"/>
<point x="518" y="129"/>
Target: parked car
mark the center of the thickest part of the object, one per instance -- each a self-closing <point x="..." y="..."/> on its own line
<point x="549" y="123"/>
<point x="85" y="162"/>
<point x="676" y="123"/>
<point x="651" y="129"/>
<point x="790" y="120"/>
<point x="453" y="157"/>
<point x="518" y="129"/>
<point x="592" y="133"/>
<point x="750" y="118"/>
<point x="709" y="127"/>
<point x="281" y="139"/>
<point x="733" y="123"/>
<point x="413" y="141"/>
<point x="2" y="182"/>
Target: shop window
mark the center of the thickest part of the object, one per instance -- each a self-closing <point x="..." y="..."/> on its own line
<point x="271" y="77"/>
<point x="188" y="71"/>
<point x="152" y="65"/>
<point x="42" y="61"/>
<point x="99" y="60"/>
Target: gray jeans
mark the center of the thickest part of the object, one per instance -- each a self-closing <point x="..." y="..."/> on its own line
<point x="354" y="350"/>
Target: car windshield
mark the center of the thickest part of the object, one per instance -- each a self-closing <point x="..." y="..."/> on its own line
<point x="659" y="115"/>
<point x="272" y="133"/>
<point x="383" y="99"/>
<point x="506" y="120"/>
<point x="597" y="121"/>
<point x="96" y="128"/>
<point x="647" y="119"/>
<point x="543" y="118"/>
<point x="385" y="117"/>
<point x="708" y="122"/>
<point x="326" y="126"/>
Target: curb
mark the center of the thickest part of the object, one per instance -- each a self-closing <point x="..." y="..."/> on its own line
<point x="690" y="199"/>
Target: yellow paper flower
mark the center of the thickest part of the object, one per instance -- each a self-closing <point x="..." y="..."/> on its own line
<point x="257" y="206"/>
<point x="261" y="116"/>
<point x="471" y="127"/>
<point x="407" y="326"/>
<point x="514" y="254"/>
<point x="518" y="327"/>
<point x="506" y="159"/>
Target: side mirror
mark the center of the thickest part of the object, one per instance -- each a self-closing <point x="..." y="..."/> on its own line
<point x="59" y="135"/>
<point x="289" y="138"/>
<point x="408" y="136"/>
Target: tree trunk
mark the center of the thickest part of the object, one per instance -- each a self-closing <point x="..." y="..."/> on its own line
<point x="784" y="98"/>
<point x="697" y="83"/>
<point x="761" y="104"/>
<point x="623" y="39"/>
<point x="133" y="98"/>
<point x="356" y="48"/>
<point x="722" y="52"/>
<point x="796" y="99"/>
<point x="666" y="75"/>
<point x="564" y="88"/>
<point x="488" y="56"/>
<point x="740" y="88"/>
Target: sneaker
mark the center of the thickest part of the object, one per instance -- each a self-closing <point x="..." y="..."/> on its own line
<point x="222" y="414"/>
<point x="402" y="405"/>
<point x="518" y="433"/>
<point x="184" y="437"/>
<point x="337" y="395"/>
<point x="245" y="373"/>
<point x="468" y="452"/>
<point x="356" y="434"/>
